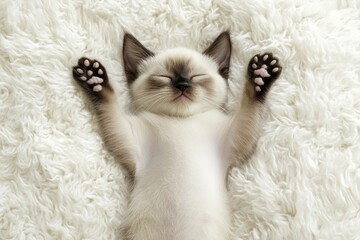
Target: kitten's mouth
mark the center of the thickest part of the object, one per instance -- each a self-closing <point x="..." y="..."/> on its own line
<point x="182" y="96"/>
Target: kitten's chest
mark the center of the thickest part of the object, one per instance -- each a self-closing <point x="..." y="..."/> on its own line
<point x="183" y="143"/>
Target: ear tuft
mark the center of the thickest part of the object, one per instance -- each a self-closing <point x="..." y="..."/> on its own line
<point x="220" y="51"/>
<point x="133" y="54"/>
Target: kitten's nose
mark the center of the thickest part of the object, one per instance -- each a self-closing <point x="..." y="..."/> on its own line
<point x="182" y="85"/>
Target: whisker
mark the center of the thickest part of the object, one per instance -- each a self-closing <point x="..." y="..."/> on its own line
<point x="143" y="101"/>
<point x="211" y="102"/>
<point x="148" y="99"/>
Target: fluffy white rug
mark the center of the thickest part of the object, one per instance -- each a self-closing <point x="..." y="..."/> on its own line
<point x="58" y="182"/>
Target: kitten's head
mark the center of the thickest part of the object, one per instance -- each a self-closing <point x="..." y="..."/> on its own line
<point x="177" y="82"/>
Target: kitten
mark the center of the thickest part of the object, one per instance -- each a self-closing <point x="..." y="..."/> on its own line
<point x="177" y="143"/>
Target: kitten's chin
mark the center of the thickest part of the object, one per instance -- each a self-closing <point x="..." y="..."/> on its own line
<point x="182" y="107"/>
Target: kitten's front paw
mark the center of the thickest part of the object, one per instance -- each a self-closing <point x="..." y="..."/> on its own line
<point x="263" y="70"/>
<point x="91" y="76"/>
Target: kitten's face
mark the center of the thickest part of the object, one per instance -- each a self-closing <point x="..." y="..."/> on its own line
<point x="177" y="82"/>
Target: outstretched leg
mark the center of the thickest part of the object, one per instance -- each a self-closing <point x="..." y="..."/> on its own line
<point x="263" y="70"/>
<point x="116" y="130"/>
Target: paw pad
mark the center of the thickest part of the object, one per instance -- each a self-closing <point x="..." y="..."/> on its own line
<point x="90" y="74"/>
<point x="263" y="70"/>
<point x="87" y="62"/>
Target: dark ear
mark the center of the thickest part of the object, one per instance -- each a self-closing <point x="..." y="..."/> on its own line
<point x="133" y="54"/>
<point x="220" y="51"/>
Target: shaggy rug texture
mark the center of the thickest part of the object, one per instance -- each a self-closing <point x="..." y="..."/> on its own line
<point x="57" y="181"/>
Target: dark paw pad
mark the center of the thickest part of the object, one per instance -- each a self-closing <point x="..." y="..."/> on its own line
<point x="263" y="70"/>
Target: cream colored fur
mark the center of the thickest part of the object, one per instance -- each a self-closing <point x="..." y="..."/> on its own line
<point x="180" y="179"/>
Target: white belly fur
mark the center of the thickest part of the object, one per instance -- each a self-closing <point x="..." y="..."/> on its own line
<point x="180" y="189"/>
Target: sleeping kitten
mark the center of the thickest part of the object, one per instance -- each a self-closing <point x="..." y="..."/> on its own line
<point x="177" y="143"/>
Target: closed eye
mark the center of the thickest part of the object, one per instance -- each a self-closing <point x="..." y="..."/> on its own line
<point x="158" y="81"/>
<point x="161" y="78"/>
<point x="199" y="77"/>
